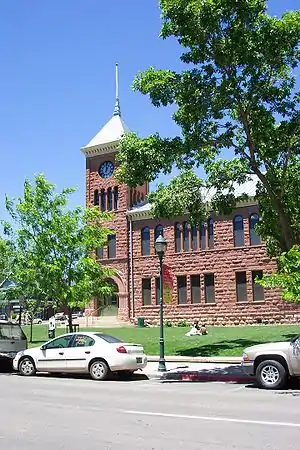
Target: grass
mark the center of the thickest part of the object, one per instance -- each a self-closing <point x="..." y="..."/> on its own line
<point x="220" y="341"/>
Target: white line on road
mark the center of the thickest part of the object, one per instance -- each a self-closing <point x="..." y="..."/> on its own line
<point x="215" y="419"/>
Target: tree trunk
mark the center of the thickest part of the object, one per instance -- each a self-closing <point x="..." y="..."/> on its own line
<point x="31" y="330"/>
<point x="70" y="320"/>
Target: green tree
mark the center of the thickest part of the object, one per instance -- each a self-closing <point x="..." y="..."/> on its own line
<point x="54" y="247"/>
<point x="236" y="95"/>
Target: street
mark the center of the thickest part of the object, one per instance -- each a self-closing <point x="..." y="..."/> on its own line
<point x="77" y="413"/>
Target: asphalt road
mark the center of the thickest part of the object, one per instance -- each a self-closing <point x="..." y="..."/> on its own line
<point x="63" y="414"/>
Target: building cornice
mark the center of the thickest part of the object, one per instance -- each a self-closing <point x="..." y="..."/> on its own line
<point x="98" y="150"/>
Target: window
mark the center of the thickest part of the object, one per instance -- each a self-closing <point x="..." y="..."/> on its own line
<point x="108" y="338"/>
<point x="241" y="286"/>
<point x="100" y="253"/>
<point x="181" y="290"/>
<point x="195" y="288"/>
<point x="109" y="199"/>
<point x="111" y="249"/>
<point x="157" y="290"/>
<point x="238" y="231"/>
<point x="116" y="197"/>
<point x="194" y="238"/>
<point x="159" y="230"/>
<point x="257" y="289"/>
<point x="103" y="200"/>
<point x="177" y="237"/>
<point x="146" y="291"/>
<point x="12" y="332"/>
<point x="202" y="236"/>
<point x="81" y="340"/>
<point x="96" y="197"/>
<point x="254" y="237"/>
<point x="61" y="342"/>
<point x="186" y="244"/>
<point x="209" y="285"/>
<point x="145" y="236"/>
<point x="210" y="227"/>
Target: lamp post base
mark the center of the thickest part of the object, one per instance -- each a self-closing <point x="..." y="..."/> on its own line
<point x="162" y="365"/>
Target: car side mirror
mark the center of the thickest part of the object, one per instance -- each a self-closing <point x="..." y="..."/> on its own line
<point x="43" y="347"/>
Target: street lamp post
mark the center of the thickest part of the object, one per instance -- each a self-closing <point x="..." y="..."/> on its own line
<point x="160" y="247"/>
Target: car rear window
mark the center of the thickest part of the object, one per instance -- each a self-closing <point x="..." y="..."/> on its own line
<point x="11" y="331"/>
<point x="108" y="338"/>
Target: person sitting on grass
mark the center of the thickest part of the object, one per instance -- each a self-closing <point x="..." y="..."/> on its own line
<point x="197" y="329"/>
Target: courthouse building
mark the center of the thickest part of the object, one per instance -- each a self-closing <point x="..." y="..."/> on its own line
<point x="211" y="269"/>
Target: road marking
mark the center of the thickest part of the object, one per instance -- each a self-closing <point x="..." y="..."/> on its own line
<point x="215" y="419"/>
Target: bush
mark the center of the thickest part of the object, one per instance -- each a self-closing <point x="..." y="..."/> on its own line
<point x="168" y="324"/>
<point x="182" y="324"/>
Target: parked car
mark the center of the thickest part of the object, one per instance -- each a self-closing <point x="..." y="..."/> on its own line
<point x="94" y="353"/>
<point x="273" y="363"/>
<point x="12" y="340"/>
<point x="37" y="321"/>
<point x="60" y="317"/>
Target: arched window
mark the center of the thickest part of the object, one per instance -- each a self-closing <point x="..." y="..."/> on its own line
<point x="103" y="200"/>
<point x="96" y="197"/>
<point x="210" y="229"/>
<point x="159" y="230"/>
<point x="177" y="233"/>
<point x="186" y="243"/>
<point x="238" y="231"/>
<point x="111" y="248"/>
<point x="109" y="199"/>
<point x="194" y="236"/>
<point x="254" y="237"/>
<point x="202" y="232"/>
<point x="116" y="197"/>
<point x="145" y="238"/>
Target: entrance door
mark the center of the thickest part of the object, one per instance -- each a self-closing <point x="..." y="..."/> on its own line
<point x="110" y="303"/>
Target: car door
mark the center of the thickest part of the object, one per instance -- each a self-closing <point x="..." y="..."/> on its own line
<point x="52" y="356"/>
<point x="295" y="356"/>
<point x="79" y="353"/>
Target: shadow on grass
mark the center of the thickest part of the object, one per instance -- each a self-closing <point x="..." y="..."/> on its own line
<point x="217" y="348"/>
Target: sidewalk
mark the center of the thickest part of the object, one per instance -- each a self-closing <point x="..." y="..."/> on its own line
<point x="212" y="369"/>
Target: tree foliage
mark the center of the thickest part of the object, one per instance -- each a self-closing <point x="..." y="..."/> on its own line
<point x="236" y="94"/>
<point x="54" y="247"/>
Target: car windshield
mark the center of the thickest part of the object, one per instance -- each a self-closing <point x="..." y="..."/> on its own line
<point x="108" y="338"/>
<point x="11" y="331"/>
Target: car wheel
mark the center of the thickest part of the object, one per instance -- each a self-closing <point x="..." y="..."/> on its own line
<point x="125" y="374"/>
<point x="99" y="370"/>
<point x="27" y="367"/>
<point x="271" y="375"/>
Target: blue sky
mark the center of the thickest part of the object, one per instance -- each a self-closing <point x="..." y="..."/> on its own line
<point x="57" y="81"/>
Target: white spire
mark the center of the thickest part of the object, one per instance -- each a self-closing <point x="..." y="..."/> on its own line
<point x="112" y="132"/>
<point x="117" y="111"/>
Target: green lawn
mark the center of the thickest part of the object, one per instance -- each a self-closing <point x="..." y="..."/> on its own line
<point x="220" y="341"/>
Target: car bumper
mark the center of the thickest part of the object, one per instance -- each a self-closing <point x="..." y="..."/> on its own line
<point x="130" y="363"/>
<point x="8" y="355"/>
<point x="248" y="368"/>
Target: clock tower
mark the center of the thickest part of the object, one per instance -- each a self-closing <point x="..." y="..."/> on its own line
<point x="104" y="191"/>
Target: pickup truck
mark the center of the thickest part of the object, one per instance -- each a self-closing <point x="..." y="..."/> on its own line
<point x="273" y="364"/>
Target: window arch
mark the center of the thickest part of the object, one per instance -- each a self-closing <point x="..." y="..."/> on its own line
<point x="177" y="233"/>
<point x="96" y="197"/>
<point x="145" y="241"/>
<point x="186" y="243"/>
<point x="109" y="199"/>
<point x="210" y="229"/>
<point x="116" y="197"/>
<point x="254" y="236"/>
<point x="159" y="230"/>
<point x="103" y="200"/>
<point x="238" y="231"/>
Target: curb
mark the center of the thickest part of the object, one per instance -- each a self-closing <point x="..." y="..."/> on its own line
<point x="198" y="376"/>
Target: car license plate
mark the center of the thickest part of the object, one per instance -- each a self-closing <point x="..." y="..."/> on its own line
<point x="139" y="360"/>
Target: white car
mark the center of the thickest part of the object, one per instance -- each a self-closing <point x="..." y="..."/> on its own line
<point x="94" y="353"/>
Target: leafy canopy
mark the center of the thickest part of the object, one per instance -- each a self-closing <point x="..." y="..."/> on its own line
<point x="53" y="247"/>
<point x="236" y="94"/>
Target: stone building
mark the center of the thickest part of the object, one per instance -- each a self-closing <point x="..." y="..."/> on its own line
<point x="212" y="268"/>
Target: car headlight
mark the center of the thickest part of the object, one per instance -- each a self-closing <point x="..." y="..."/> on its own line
<point x="245" y="357"/>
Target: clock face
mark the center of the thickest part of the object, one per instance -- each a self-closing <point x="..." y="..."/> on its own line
<point x="106" y="169"/>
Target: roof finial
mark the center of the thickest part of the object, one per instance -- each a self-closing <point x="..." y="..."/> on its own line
<point x="117" y="111"/>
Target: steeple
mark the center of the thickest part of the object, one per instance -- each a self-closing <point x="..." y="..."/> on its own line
<point x="109" y="136"/>
<point x="117" y="110"/>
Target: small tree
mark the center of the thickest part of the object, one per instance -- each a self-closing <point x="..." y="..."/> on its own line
<point x="54" y="247"/>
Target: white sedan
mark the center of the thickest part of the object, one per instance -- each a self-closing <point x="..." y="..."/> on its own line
<point x="94" y="353"/>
